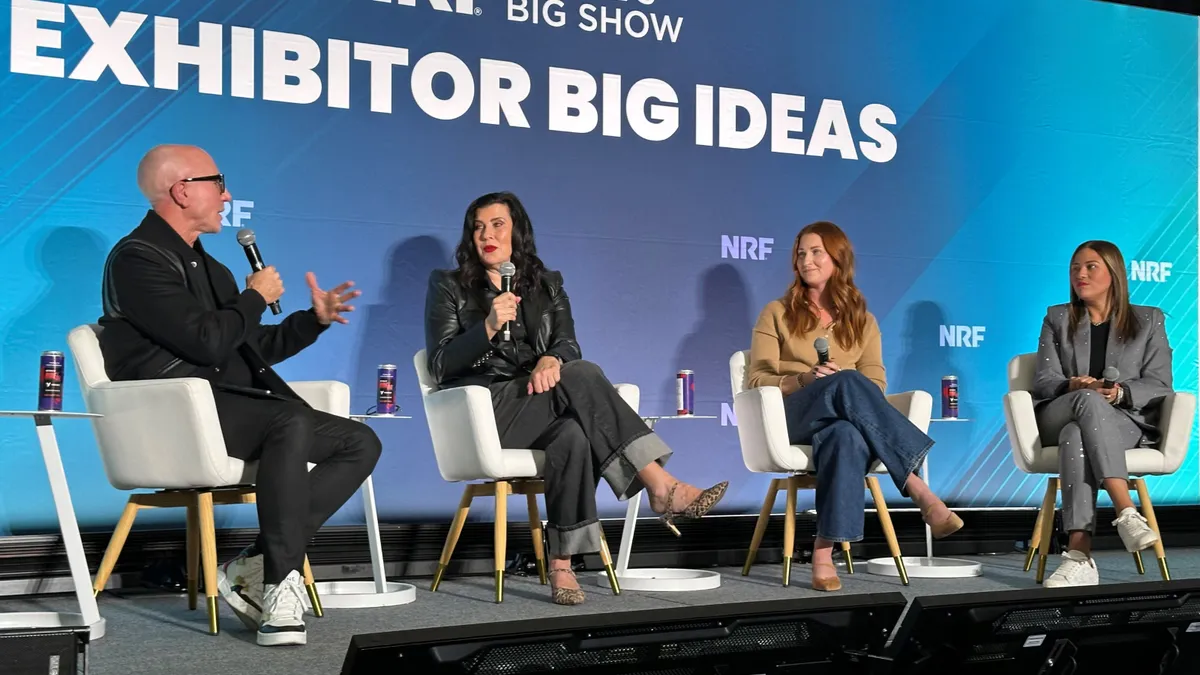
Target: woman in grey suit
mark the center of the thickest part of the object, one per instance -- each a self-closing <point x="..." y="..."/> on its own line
<point x="1103" y="369"/>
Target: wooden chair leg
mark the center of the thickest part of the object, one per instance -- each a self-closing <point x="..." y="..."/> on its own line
<point x="1035" y="540"/>
<point x="208" y="556"/>
<point x="789" y="530"/>
<point x="456" y="528"/>
<point x="1152" y="521"/>
<point x="885" y="521"/>
<point x="846" y="555"/>
<point x="606" y="558"/>
<point x="115" y="544"/>
<point x="1047" y="520"/>
<point x="760" y="526"/>
<point x="193" y="554"/>
<point x="500" y="536"/>
<point x="535" y="529"/>
<point x="311" y="584"/>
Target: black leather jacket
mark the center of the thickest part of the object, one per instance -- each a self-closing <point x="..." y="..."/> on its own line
<point x="159" y="323"/>
<point x="456" y="343"/>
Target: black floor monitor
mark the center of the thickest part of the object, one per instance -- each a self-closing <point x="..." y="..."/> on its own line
<point x="1149" y="627"/>
<point x="837" y="634"/>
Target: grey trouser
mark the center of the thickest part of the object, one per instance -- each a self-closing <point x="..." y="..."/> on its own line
<point x="1092" y="438"/>
<point x="588" y="432"/>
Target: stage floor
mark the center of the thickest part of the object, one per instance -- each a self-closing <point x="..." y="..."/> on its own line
<point x="156" y="633"/>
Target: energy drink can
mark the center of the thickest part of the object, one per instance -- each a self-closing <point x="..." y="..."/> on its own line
<point x="385" y="395"/>
<point x="950" y="397"/>
<point x="50" y="381"/>
<point x="685" y="392"/>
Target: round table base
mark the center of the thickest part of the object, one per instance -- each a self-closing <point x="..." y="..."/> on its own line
<point x="361" y="594"/>
<point x="926" y="568"/>
<point x="664" y="579"/>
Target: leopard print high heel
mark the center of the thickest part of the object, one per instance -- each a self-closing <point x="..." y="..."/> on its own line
<point x="565" y="596"/>
<point x="699" y="507"/>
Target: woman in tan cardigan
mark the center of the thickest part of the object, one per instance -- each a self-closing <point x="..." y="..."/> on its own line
<point x="837" y="404"/>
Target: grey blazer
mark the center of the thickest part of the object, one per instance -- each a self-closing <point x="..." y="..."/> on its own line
<point x="1144" y="362"/>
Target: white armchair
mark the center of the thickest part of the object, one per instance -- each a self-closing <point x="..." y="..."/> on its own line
<point x="164" y="435"/>
<point x="762" y="433"/>
<point x="1030" y="456"/>
<point x="467" y="446"/>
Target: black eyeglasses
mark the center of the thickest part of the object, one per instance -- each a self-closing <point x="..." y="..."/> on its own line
<point x="218" y="178"/>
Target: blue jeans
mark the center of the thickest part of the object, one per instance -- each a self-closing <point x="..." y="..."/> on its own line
<point x="850" y="424"/>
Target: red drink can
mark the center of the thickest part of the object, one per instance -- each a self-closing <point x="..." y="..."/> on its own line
<point x="950" y="397"/>
<point x="385" y="394"/>
<point x="50" y="381"/>
<point x="685" y="392"/>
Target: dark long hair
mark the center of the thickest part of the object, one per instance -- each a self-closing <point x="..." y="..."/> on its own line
<point x="1124" y="320"/>
<point x="849" y="305"/>
<point x="472" y="274"/>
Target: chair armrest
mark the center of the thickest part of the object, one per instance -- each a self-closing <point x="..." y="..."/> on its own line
<point x="762" y="428"/>
<point x="916" y="405"/>
<point x="462" y="426"/>
<point x="1022" y="428"/>
<point x="160" y="434"/>
<point x="328" y="396"/>
<point x="631" y="394"/>
<point x="1175" y="425"/>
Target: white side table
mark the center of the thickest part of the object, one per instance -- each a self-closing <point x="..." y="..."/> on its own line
<point x="380" y="592"/>
<point x="928" y="567"/>
<point x="89" y="613"/>
<point x="656" y="578"/>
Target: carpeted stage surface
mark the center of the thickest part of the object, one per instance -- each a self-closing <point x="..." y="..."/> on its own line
<point x="156" y="633"/>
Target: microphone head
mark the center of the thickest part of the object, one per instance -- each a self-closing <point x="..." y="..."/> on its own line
<point x="507" y="269"/>
<point x="1111" y="374"/>
<point x="821" y="345"/>
<point x="245" y="237"/>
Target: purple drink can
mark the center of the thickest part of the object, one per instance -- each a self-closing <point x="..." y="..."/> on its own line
<point x="685" y="392"/>
<point x="950" y="397"/>
<point x="385" y="393"/>
<point x="50" y="381"/>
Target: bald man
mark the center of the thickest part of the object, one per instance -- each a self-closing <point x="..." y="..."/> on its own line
<point x="171" y="310"/>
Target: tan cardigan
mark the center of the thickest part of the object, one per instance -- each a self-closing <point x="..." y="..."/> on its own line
<point x="776" y="353"/>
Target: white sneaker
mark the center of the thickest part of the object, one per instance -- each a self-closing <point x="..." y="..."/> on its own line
<point x="1135" y="533"/>
<point x="1076" y="569"/>
<point x="240" y="583"/>
<point x="283" y="613"/>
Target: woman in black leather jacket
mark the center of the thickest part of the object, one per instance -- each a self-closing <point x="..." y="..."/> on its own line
<point x="544" y="395"/>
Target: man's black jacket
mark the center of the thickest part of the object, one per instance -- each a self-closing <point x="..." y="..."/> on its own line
<point x="162" y="321"/>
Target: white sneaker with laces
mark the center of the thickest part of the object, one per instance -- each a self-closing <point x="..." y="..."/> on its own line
<point x="240" y="583"/>
<point x="283" y="613"/>
<point x="1076" y="569"/>
<point x="1135" y="533"/>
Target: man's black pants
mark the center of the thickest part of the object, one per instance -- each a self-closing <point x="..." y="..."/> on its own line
<point x="293" y="502"/>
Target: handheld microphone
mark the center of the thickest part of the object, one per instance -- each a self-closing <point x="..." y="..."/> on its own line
<point x="1110" y="377"/>
<point x="822" y="347"/>
<point x="246" y="239"/>
<point x="507" y="270"/>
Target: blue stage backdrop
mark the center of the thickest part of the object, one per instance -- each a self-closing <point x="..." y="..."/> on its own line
<point x="667" y="150"/>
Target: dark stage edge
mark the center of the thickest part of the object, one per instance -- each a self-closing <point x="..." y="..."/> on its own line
<point x="153" y="633"/>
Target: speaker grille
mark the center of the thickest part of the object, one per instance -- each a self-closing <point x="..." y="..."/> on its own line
<point x="1190" y="611"/>
<point x="1022" y="621"/>
<point x="565" y="656"/>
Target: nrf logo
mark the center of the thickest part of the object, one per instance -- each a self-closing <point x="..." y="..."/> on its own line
<point x="961" y="336"/>
<point x="728" y="419"/>
<point x="459" y="6"/>
<point x="745" y="248"/>
<point x="1149" y="270"/>
<point x="236" y="213"/>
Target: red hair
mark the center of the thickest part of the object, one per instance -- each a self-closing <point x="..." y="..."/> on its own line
<point x="849" y="306"/>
